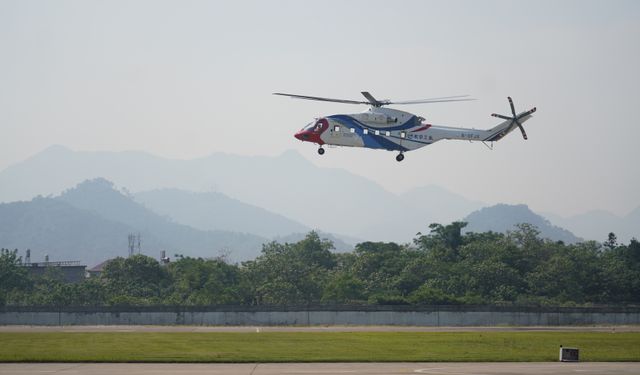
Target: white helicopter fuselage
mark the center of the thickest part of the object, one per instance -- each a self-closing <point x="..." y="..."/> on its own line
<point x="391" y="129"/>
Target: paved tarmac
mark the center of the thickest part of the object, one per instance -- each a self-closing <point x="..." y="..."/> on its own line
<point x="138" y="328"/>
<point x="320" y="368"/>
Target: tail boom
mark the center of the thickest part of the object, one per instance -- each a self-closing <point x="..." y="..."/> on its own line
<point x="501" y="130"/>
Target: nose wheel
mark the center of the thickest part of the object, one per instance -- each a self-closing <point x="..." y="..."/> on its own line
<point x="400" y="157"/>
<point x="321" y="151"/>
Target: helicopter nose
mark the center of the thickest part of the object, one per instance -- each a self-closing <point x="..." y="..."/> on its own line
<point x="302" y="135"/>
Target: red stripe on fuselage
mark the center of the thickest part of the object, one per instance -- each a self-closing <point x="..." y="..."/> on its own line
<point x="422" y="128"/>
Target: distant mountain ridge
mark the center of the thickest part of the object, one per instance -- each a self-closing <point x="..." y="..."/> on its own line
<point x="286" y="193"/>
<point x="503" y="217"/>
<point x="216" y="211"/>
<point x="333" y="200"/>
<point x="62" y="226"/>
<point x="52" y="227"/>
<point x="597" y="224"/>
<point x="441" y="203"/>
<point x="91" y="223"/>
<point x="213" y="210"/>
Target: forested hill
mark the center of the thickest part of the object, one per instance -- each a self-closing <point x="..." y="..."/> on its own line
<point x="266" y="189"/>
<point x="91" y="223"/>
<point x="503" y="217"/>
<point x="51" y="227"/>
<point x="286" y="184"/>
<point x="216" y="211"/>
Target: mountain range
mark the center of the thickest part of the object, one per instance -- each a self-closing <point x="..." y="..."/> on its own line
<point x="53" y="228"/>
<point x="332" y="200"/>
<point x="91" y="222"/>
<point x="216" y="211"/>
<point x="597" y="224"/>
<point x="503" y="217"/>
<point x="208" y="206"/>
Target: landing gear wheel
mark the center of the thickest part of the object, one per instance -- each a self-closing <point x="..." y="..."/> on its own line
<point x="400" y="157"/>
<point x="321" y="151"/>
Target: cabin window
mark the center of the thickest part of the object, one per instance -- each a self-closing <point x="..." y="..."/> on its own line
<point x="336" y="128"/>
<point x="377" y="132"/>
<point x="365" y="131"/>
<point x="353" y="130"/>
<point x="388" y="133"/>
<point x="403" y="134"/>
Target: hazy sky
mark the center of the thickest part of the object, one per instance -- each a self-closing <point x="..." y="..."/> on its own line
<point x="183" y="79"/>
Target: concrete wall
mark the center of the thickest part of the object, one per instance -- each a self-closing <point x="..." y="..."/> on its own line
<point x="453" y="316"/>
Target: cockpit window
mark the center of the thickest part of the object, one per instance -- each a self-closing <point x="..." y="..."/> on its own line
<point x="315" y="126"/>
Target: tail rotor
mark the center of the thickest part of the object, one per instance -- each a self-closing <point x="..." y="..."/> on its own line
<point x="515" y="119"/>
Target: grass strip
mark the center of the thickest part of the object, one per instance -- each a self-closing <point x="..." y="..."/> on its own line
<point x="314" y="346"/>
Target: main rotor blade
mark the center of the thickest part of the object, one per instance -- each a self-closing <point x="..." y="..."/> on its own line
<point x="346" y="101"/>
<point x="374" y="102"/>
<point x="432" y="100"/>
<point x="377" y="103"/>
<point x="513" y="110"/>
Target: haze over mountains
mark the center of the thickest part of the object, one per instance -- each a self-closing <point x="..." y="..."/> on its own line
<point x="332" y="200"/>
<point x="55" y="228"/>
<point x="205" y="206"/>
<point x="92" y="221"/>
<point x="598" y="224"/>
<point x="216" y="211"/>
<point x="501" y="218"/>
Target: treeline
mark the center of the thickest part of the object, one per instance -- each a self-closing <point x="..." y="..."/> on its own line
<point x="442" y="267"/>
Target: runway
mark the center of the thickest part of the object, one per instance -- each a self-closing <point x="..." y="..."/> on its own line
<point x="613" y="368"/>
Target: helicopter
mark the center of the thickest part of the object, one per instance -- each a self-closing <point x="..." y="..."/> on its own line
<point x="390" y="129"/>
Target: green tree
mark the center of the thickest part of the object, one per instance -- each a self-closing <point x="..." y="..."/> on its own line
<point x="138" y="279"/>
<point x="343" y="288"/>
<point x="611" y="242"/>
<point x="429" y="295"/>
<point x="621" y="273"/>
<point x="379" y="265"/>
<point x="13" y="276"/>
<point x="196" y="281"/>
<point x="572" y="273"/>
<point x="291" y="273"/>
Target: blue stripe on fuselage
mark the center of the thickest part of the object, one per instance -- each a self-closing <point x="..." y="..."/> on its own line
<point x="371" y="140"/>
<point x="412" y="122"/>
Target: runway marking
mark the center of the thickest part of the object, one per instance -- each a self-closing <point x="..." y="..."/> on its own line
<point x="431" y="369"/>
<point x="319" y="372"/>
